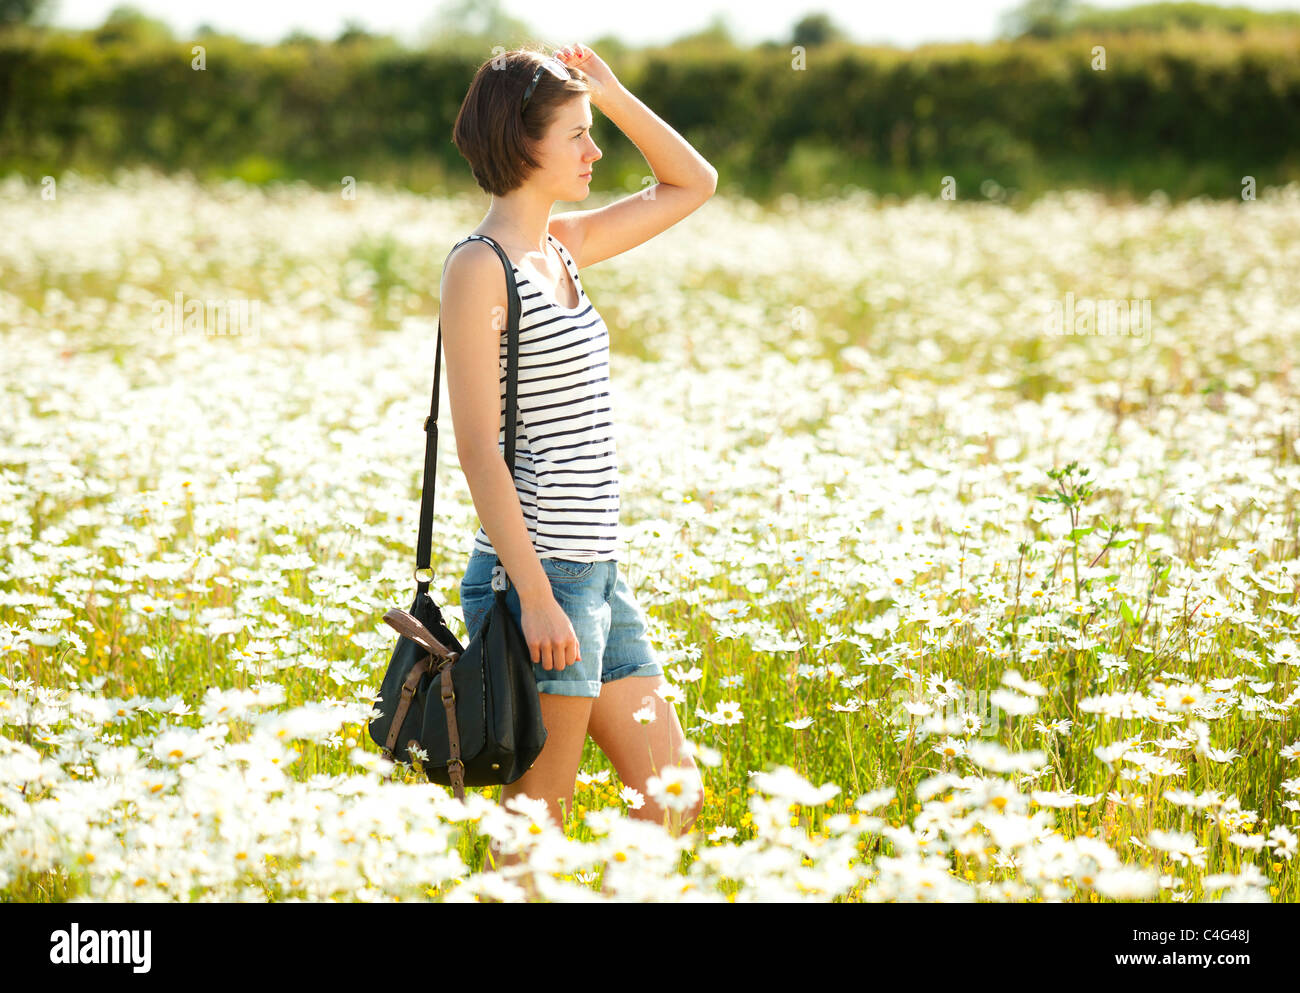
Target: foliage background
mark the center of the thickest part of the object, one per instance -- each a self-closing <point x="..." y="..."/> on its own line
<point x="1192" y="99"/>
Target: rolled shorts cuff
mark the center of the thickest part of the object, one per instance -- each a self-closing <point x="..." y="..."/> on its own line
<point x="645" y="669"/>
<point x="569" y="687"/>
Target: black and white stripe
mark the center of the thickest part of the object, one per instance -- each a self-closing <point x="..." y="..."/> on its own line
<point x="566" y="463"/>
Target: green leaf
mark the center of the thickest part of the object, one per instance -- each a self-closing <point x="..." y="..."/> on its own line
<point x="1078" y="533"/>
<point x="1129" y="617"/>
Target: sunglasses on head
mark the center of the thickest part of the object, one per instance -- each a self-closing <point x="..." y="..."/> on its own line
<point x="552" y="65"/>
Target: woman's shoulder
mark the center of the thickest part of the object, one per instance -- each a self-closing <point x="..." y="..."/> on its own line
<point x="473" y="269"/>
<point x="478" y="251"/>
<point x="475" y="244"/>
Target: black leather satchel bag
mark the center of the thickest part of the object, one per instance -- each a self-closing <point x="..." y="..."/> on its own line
<point x="475" y="711"/>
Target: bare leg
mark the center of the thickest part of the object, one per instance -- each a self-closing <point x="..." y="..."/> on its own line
<point x="555" y="773"/>
<point x="640" y="751"/>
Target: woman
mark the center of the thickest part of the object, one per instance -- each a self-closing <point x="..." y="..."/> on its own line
<point x="525" y="129"/>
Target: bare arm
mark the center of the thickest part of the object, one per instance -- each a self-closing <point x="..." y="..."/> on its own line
<point x="473" y="314"/>
<point x="685" y="179"/>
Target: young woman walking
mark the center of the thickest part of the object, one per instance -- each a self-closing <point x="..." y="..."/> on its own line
<point x="525" y="129"/>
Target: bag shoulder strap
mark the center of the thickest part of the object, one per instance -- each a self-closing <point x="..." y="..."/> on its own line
<point x="424" y="541"/>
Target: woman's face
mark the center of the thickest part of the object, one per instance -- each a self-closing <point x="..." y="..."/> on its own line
<point x="567" y="152"/>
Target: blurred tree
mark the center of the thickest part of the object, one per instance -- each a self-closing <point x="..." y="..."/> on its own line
<point x="815" y="29"/>
<point x="609" y="46"/>
<point x="1053" y="18"/>
<point x="481" y="24"/>
<point x="130" y="25"/>
<point x="353" y="30"/>
<point x="300" y="37"/>
<point x="1039" y="18"/>
<point x="22" y="11"/>
<point x="715" y="35"/>
<point x="209" y="30"/>
<point x="1156" y="17"/>
<point x="355" y="33"/>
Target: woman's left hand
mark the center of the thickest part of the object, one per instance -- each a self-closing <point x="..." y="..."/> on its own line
<point x="600" y="76"/>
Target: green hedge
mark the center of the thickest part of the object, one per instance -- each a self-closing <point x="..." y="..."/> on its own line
<point x="1189" y="112"/>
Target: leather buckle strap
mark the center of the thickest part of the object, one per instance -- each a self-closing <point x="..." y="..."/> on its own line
<point x="455" y="767"/>
<point x="456" y="772"/>
<point x="403" y="705"/>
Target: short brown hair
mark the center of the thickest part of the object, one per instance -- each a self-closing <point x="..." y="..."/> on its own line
<point x="491" y="133"/>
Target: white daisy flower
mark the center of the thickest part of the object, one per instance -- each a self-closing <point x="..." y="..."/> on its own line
<point x="631" y="797"/>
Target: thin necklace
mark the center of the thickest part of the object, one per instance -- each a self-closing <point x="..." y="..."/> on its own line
<point x="529" y="243"/>
<point x="564" y="275"/>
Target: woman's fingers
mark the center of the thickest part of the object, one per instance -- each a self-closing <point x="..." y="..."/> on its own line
<point x="564" y="652"/>
<point x="555" y="646"/>
<point x="575" y="53"/>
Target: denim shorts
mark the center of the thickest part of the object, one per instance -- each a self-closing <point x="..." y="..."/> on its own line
<point x="609" y="623"/>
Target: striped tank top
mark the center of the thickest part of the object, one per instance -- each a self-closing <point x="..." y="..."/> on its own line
<point x="566" y="468"/>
